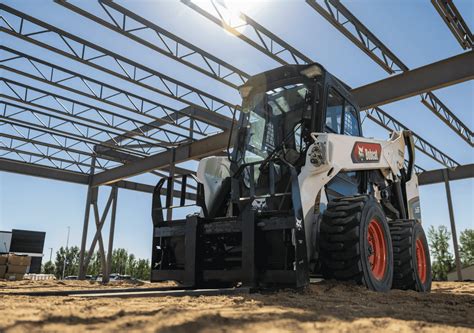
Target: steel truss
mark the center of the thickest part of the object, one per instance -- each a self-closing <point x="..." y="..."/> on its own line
<point x="453" y="19"/>
<point x="388" y="122"/>
<point x="219" y="18"/>
<point x="104" y="122"/>
<point x="252" y="33"/>
<point x="53" y="150"/>
<point x="343" y="20"/>
<point x="133" y="26"/>
<point x="16" y="114"/>
<point x="31" y="30"/>
<point x="80" y="84"/>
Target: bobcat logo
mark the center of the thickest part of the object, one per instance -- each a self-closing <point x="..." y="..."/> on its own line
<point x="299" y="224"/>
<point x="361" y="153"/>
<point x="366" y="152"/>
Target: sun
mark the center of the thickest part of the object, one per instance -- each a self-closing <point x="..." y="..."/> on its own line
<point x="230" y="10"/>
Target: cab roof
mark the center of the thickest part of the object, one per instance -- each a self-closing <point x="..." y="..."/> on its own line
<point x="287" y="72"/>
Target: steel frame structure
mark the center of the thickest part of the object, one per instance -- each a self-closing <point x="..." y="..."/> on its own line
<point x="51" y="135"/>
<point x="88" y="53"/>
<point x="63" y="78"/>
<point x="343" y="20"/>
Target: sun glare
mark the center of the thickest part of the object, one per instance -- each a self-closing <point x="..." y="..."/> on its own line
<point x="230" y="10"/>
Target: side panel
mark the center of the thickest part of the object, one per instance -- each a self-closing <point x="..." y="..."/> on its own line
<point x="331" y="154"/>
<point x="211" y="173"/>
<point x="413" y="198"/>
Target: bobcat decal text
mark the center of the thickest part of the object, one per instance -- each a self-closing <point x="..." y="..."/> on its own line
<point x="366" y="152"/>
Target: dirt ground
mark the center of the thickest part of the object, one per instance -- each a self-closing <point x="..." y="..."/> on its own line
<point x="325" y="306"/>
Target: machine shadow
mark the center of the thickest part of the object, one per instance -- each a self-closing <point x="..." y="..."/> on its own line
<point x="329" y="300"/>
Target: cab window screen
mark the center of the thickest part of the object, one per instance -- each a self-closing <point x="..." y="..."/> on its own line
<point x="351" y="124"/>
<point x="334" y="111"/>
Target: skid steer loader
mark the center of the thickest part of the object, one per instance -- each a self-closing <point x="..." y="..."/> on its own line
<point x="302" y="194"/>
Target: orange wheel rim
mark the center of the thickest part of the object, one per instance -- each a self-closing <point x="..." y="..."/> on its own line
<point x="377" y="249"/>
<point x="421" y="260"/>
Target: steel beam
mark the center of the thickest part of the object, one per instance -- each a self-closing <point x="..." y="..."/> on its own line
<point x="193" y="150"/>
<point x="27" y="169"/>
<point x="41" y="171"/>
<point x="341" y="18"/>
<point x="437" y="176"/>
<point x="453" y="19"/>
<point x="414" y="82"/>
<point x="131" y="25"/>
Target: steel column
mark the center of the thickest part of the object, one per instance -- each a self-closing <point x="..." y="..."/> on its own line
<point x="111" y="232"/>
<point x="453" y="225"/>
<point x="169" y="211"/>
<point x="85" y="227"/>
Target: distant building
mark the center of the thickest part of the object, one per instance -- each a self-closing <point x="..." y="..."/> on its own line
<point x="24" y="242"/>
<point x="5" y="240"/>
<point x="467" y="274"/>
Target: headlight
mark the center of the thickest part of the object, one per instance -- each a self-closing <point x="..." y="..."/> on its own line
<point x="245" y="91"/>
<point x="311" y="71"/>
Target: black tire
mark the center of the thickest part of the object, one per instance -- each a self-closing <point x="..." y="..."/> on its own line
<point x="407" y="276"/>
<point x="345" y="246"/>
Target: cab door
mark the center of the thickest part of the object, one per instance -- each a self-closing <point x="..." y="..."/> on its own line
<point x="342" y="117"/>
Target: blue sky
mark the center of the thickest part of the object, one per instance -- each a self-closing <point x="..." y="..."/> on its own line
<point x="413" y="30"/>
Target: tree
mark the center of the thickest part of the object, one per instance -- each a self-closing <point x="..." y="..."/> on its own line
<point x="123" y="263"/>
<point x="119" y="261"/>
<point x="131" y="264"/>
<point x="71" y="255"/>
<point x="142" y="270"/>
<point x="48" y="268"/>
<point x="95" y="265"/>
<point x="466" y="249"/>
<point x="443" y="261"/>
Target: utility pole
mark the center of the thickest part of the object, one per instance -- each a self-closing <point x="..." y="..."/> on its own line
<point x="65" y="254"/>
<point x="50" y="253"/>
